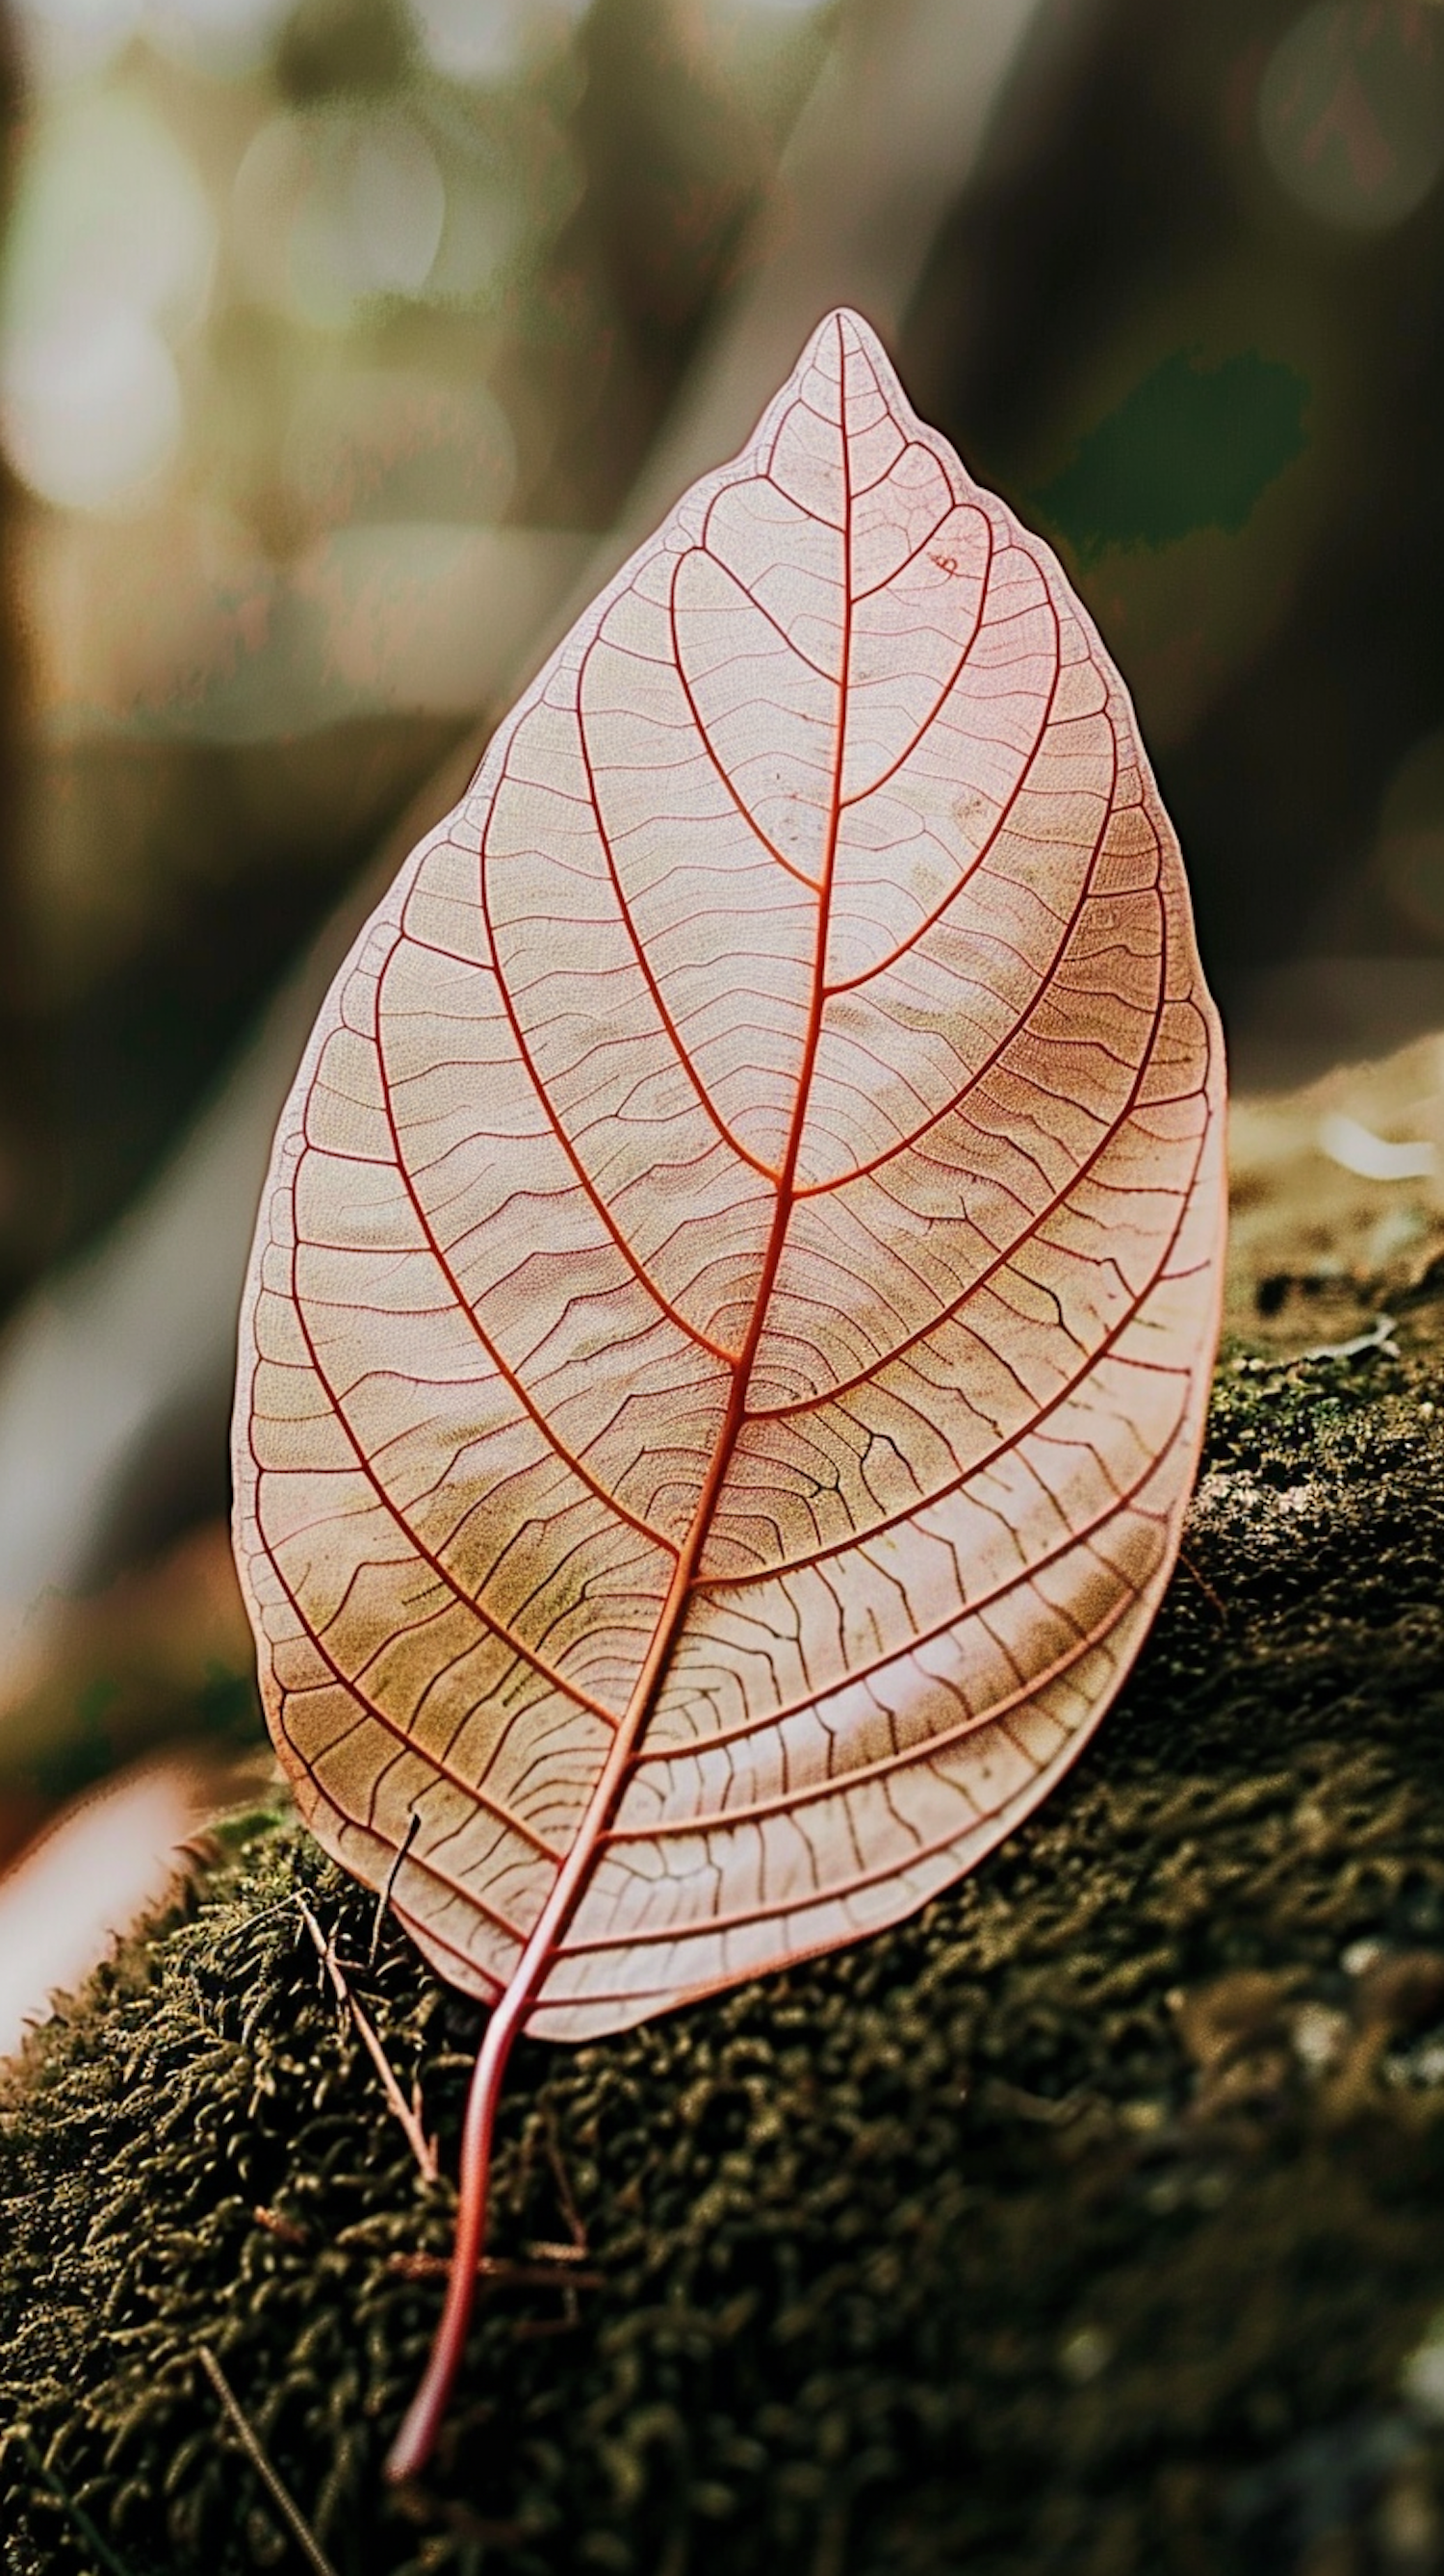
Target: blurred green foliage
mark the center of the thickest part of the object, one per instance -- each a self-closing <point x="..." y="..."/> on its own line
<point x="1192" y="446"/>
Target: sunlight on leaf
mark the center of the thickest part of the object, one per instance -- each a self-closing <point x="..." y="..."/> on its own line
<point x="731" y="1316"/>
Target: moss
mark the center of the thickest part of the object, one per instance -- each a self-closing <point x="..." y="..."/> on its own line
<point x="1086" y="2222"/>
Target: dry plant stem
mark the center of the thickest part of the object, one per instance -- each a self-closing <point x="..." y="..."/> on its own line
<point x="1205" y="1587"/>
<point x="578" y="2249"/>
<point x="285" y="2504"/>
<point x="105" y="2555"/>
<point x="384" y="1898"/>
<point x="416" y="2137"/>
<point x="547" y="2275"/>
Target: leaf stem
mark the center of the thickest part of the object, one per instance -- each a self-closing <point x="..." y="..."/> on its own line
<point x="413" y="2444"/>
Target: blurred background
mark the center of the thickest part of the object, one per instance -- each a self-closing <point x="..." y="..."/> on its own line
<point x="333" y="340"/>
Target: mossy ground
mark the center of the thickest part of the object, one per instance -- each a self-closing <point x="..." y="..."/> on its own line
<point x="1088" y="2222"/>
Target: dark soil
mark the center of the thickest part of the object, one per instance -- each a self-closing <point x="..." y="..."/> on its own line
<point x="1091" y="2221"/>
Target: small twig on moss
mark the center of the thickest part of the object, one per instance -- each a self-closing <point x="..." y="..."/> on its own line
<point x="114" y="2565"/>
<point x="570" y="2211"/>
<point x="384" y="1898"/>
<point x="1379" y="1337"/>
<point x="276" y="2223"/>
<point x="246" y="1923"/>
<point x="280" y="2495"/>
<point x="500" y="2268"/>
<point x="1205" y="1587"/>
<point x="420" y="2145"/>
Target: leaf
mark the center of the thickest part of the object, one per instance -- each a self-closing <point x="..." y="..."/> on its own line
<point x="730" y="1321"/>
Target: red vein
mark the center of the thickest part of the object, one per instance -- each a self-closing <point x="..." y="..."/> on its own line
<point x="413" y="1538"/>
<point x="701" y="1745"/>
<point x="841" y="1784"/>
<point x="693" y="1332"/>
<point x="762" y="838"/>
<point x="1007" y="1442"/>
<point x="764" y="1170"/>
<point x="568" y="1457"/>
<point x="906" y="947"/>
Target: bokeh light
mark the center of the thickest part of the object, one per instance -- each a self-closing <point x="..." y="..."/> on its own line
<point x="1351" y="111"/>
<point x="66" y="40"/>
<point x="110" y="210"/>
<point x="92" y="412"/>
<point x="336" y="205"/>
<point x="331" y="334"/>
<point x="483" y="41"/>
<point x="110" y="259"/>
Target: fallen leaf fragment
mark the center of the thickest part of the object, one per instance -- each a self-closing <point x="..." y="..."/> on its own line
<point x="107" y="1860"/>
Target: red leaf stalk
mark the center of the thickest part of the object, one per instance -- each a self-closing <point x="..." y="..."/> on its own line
<point x="416" y="2439"/>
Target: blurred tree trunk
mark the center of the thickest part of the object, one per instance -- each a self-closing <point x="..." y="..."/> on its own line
<point x="23" y="1195"/>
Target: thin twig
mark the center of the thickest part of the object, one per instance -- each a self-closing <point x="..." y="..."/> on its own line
<point x="392" y="1875"/>
<point x="560" y="2177"/>
<point x="417" y="2139"/>
<point x="285" y="2504"/>
<point x="1205" y="1587"/>
<point x="1379" y="1337"/>
<point x="501" y="2268"/>
<point x="108" y="2557"/>
<point x="276" y="2223"/>
<point x="247" y="1922"/>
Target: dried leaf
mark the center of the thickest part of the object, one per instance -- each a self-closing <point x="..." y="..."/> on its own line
<point x="729" y="1328"/>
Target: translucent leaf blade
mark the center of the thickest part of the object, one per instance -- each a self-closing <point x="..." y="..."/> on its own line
<point x="730" y="1324"/>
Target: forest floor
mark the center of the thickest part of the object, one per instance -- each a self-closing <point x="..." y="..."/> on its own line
<point x="1091" y="2221"/>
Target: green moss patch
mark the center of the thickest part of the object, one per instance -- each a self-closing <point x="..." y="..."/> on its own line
<point x="1092" y="2221"/>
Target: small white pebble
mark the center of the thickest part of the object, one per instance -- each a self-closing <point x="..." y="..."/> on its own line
<point x="1421" y="2380"/>
<point x="1086" y="2353"/>
<point x="1359" y="1956"/>
<point x="1318" y="2036"/>
<point x="1426" y="1412"/>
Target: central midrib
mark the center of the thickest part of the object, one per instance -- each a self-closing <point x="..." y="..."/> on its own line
<point x="601" y="1806"/>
